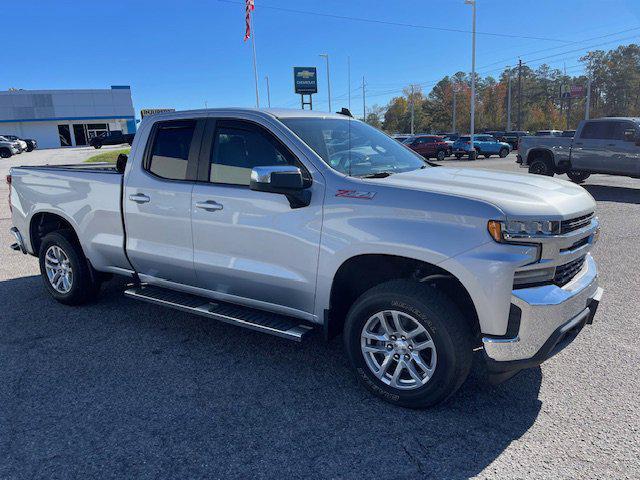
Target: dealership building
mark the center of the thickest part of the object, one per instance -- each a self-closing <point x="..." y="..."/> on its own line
<point x="65" y="118"/>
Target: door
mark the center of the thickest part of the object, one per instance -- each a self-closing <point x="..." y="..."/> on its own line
<point x="621" y="155"/>
<point x="588" y="149"/>
<point x="253" y="247"/>
<point x="157" y="203"/>
<point x="80" y="134"/>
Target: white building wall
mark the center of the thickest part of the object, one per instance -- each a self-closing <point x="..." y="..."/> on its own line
<point x="37" y="113"/>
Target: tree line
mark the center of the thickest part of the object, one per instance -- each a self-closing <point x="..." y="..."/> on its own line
<point x="536" y="93"/>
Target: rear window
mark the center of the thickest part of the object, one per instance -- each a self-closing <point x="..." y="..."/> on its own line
<point x="170" y="150"/>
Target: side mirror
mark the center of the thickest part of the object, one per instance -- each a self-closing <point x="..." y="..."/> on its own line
<point x="286" y="180"/>
<point x="631" y="136"/>
<point x="121" y="162"/>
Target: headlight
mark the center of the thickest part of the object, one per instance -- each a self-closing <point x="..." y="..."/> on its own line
<point x="517" y="229"/>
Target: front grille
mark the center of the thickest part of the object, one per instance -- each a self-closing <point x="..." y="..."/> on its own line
<point x="564" y="273"/>
<point x="572" y="224"/>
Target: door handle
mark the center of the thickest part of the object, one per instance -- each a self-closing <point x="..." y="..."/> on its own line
<point x="139" y="198"/>
<point x="209" y="206"/>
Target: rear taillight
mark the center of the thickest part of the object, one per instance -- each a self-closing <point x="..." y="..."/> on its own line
<point x="8" y="179"/>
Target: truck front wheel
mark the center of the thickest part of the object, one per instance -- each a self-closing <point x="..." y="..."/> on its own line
<point x="408" y="343"/>
<point x="541" y="166"/>
<point x="65" y="271"/>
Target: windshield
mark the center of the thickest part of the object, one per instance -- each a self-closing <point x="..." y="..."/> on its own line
<point x="354" y="148"/>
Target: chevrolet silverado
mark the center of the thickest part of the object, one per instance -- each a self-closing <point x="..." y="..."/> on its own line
<point x="290" y="222"/>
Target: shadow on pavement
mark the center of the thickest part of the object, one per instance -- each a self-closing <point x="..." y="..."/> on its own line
<point x="122" y="389"/>
<point x="606" y="193"/>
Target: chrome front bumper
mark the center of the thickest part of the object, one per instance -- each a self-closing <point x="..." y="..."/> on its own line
<point x="547" y="313"/>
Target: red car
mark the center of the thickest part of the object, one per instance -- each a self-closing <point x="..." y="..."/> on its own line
<point x="428" y="146"/>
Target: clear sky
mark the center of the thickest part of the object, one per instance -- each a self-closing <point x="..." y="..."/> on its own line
<point x="181" y="54"/>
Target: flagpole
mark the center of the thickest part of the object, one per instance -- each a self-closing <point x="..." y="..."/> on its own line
<point x="255" y="64"/>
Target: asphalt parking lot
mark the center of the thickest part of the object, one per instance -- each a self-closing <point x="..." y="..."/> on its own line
<point x="122" y="389"/>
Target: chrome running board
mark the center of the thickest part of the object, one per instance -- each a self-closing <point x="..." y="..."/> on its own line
<point x="259" y="320"/>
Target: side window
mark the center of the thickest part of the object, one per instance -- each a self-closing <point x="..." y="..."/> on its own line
<point x="594" y="131"/>
<point x="170" y="151"/>
<point x="617" y="130"/>
<point x="237" y="150"/>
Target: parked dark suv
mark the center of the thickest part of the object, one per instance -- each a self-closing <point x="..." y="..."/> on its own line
<point x="114" y="137"/>
<point x="428" y="146"/>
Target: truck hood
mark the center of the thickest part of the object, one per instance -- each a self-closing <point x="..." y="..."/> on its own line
<point x="517" y="195"/>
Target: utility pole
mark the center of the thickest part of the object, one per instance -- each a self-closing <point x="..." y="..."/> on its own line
<point x="326" y="56"/>
<point x="268" y="91"/>
<point x="349" y="79"/>
<point x="587" y="103"/>
<point x="519" y="94"/>
<point x="453" y="122"/>
<point x="364" y="102"/>
<point x="509" y="101"/>
<point x="412" y="109"/>
<point x="473" y="72"/>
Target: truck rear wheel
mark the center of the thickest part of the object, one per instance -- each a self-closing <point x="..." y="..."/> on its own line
<point x="65" y="271"/>
<point x="408" y="343"/>
<point x="5" y="153"/>
<point x="503" y="152"/>
<point x="541" y="166"/>
<point x="578" y="177"/>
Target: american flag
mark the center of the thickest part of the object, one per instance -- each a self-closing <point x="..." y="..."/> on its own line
<point x="250" y="6"/>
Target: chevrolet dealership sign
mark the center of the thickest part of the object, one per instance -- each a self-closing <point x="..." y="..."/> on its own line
<point x="145" y="112"/>
<point x="305" y="80"/>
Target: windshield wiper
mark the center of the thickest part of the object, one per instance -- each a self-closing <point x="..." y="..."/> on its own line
<point x="378" y="175"/>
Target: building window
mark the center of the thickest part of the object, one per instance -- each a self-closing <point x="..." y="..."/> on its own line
<point x="65" y="135"/>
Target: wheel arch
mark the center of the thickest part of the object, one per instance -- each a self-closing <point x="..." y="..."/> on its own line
<point x="45" y="222"/>
<point x="359" y="273"/>
<point x="544" y="153"/>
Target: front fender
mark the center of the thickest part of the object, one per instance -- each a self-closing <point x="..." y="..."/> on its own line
<point x="424" y="226"/>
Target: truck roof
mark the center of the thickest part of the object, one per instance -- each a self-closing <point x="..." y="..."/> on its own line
<point x="271" y="112"/>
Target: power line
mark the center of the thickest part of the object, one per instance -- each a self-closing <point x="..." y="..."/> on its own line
<point x="562" y="46"/>
<point x="395" y="24"/>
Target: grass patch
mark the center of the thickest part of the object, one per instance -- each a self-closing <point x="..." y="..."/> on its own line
<point x="110" y="156"/>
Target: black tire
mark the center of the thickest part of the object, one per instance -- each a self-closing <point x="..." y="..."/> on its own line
<point x="442" y="320"/>
<point x="85" y="284"/>
<point x="473" y="154"/>
<point x="578" y="177"/>
<point x="441" y="155"/>
<point x="541" y="166"/>
<point x="503" y="152"/>
<point x="5" y="153"/>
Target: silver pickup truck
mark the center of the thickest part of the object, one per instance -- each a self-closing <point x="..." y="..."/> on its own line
<point x="290" y="222"/>
<point x="606" y="145"/>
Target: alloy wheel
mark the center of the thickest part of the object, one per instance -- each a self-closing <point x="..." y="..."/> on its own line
<point x="398" y="350"/>
<point x="58" y="268"/>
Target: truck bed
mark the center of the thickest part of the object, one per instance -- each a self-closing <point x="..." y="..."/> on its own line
<point x="86" y="195"/>
<point x="559" y="147"/>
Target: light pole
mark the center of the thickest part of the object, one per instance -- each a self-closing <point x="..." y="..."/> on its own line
<point x="473" y="73"/>
<point x="268" y="91"/>
<point x="349" y="79"/>
<point x="509" y="100"/>
<point x="326" y="56"/>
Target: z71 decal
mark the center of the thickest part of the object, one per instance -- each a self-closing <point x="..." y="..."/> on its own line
<point x="356" y="194"/>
